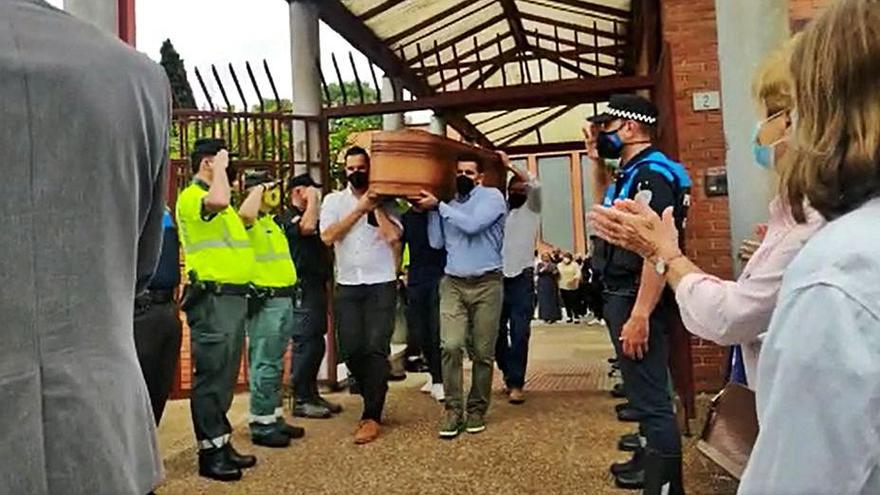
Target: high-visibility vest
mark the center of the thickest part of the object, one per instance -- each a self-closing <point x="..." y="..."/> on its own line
<point x="274" y="266"/>
<point x="218" y="248"/>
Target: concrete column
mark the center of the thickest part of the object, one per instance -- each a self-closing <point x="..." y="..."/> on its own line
<point x="391" y="92"/>
<point x="305" y="53"/>
<point x="102" y="13"/>
<point x="748" y="30"/>
<point x="438" y="125"/>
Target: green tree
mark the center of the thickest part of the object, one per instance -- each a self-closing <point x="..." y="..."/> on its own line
<point x="343" y="130"/>
<point x="176" y="71"/>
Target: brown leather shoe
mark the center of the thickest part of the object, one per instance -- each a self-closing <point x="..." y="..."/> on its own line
<point x="516" y="396"/>
<point x="368" y="430"/>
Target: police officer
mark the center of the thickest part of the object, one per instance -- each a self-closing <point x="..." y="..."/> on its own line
<point x="312" y="260"/>
<point x="156" y="323"/>
<point x="636" y="304"/>
<point x="220" y="264"/>
<point x="270" y="312"/>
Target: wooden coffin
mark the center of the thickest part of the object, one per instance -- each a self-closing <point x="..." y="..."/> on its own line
<point x="403" y="163"/>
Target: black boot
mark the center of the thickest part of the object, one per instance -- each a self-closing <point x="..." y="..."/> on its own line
<point x="242" y="461"/>
<point x="269" y="436"/>
<point x="628" y="415"/>
<point x="636" y="463"/>
<point x="630" y="442"/>
<point x="294" y="432"/>
<point x="663" y="474"/>
<point x="216" y="464"/>
<point x="630" y="480"/>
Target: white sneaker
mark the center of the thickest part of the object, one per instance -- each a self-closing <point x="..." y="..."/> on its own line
<point x="437" y="392"/>
<point x="427" y="387"/>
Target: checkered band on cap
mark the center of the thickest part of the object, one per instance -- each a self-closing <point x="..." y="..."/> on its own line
<point x="626" y="114"/>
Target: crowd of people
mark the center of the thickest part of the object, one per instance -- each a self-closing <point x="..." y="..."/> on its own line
<point x="81" y="417"/>
<point x="567" y="282"/>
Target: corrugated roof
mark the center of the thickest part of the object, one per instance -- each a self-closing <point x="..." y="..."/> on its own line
<point x="454" y="45"/>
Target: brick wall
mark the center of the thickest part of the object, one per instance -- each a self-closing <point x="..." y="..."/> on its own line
<point x="690" y="29"/>
<point x="801" y="11"/>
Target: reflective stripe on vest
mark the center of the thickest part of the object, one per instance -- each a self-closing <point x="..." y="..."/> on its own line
<point x="217" y="250"/>
<point x="274" y="266"/>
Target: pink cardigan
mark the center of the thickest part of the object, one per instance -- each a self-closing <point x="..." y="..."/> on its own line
<point x="730" y="313"/>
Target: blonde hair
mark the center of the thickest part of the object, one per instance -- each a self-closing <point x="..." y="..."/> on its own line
<point x="772" y="86"/>
<point x="833" y="160"/>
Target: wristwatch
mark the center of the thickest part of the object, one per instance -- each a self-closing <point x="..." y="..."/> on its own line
<point x="661" y="266"/>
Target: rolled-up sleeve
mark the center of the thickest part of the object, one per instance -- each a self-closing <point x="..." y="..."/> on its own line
<point x="435" y="231"/>
<point x="818" y="398"/>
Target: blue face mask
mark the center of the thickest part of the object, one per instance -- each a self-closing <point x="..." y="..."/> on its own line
<point x="609" y="144"/>
<point x="764" y="155"/>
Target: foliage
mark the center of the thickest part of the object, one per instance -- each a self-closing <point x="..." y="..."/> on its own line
<point x="344" y="130"/>
<point x="176" y="71"/>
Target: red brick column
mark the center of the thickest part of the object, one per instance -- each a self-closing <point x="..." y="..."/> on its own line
<point x="690" y="30"/>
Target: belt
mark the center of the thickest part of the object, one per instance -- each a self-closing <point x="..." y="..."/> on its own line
<point x="228" y="289"/>
<point x="272" y="292"/>
<point x="491" y="275"/>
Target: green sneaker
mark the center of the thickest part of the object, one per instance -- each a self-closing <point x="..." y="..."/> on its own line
<point x="452" y="425"/>
<point x="475" y="423"/>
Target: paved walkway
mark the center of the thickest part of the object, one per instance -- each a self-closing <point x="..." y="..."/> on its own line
<point x="560" y="442"/>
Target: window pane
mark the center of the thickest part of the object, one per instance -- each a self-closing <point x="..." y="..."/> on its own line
<point x="586" y="172"/>
<point x="557" y="223"/>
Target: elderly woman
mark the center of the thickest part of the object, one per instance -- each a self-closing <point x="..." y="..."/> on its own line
<point x="723" y="311"/>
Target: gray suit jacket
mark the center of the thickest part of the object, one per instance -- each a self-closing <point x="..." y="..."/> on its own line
<point x="83" y="147"/>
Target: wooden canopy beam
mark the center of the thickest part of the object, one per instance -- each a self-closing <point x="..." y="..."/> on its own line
<point x="508" y="140"/>
<point x="459" y="38"/>
<point x="594" y="8"/>
<point x="516" y="25"/>
<point x="619" y="37"/>
<point x="565" y="92"/>
<point x="454" y="9"/>
<point x="338" y="17"/>
<point x="533" y="149"/>
<point x="378" y="9"/>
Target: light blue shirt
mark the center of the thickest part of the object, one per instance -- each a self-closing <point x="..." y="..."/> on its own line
<point x="472" y="231"/>
<point x="818" y="391"/>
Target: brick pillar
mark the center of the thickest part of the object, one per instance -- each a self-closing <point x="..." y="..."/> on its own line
<point x="690" y="30"/>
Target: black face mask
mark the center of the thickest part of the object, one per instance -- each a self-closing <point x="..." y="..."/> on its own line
<point x="464" y="185"/>
<point x="359" y="180"/>
<point x="516" y="200"/>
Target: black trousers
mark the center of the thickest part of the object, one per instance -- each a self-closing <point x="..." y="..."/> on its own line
<point x="309" y="326"/>
<point x="423" y="324"/>
<point x="157" y="335"/>
<point x="646" y="382"/>
<point x="570" y="299"/>
<point x="365" y="322"/>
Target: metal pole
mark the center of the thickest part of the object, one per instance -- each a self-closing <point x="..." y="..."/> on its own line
<point x="438" y="125"/>
<point x="391" y="92"/>
<point x="305" y="50"/>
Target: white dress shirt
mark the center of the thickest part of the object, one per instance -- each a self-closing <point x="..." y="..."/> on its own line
<point x="362" y="256"/>
<point x="521" y="232"/>
<point x="818" y="393"/>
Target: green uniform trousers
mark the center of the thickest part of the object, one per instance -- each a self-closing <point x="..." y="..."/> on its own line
<point x="268" y="332"/>
<point x="217" y="325"/>
<point x="470" y="310"/>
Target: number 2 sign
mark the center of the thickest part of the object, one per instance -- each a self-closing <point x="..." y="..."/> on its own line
<point x="706" y="101"/>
